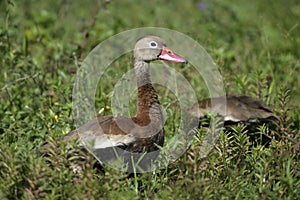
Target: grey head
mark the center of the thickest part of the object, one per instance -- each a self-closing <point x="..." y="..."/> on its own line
<point x="153" y="48"/>
<point x="148" y="48"/>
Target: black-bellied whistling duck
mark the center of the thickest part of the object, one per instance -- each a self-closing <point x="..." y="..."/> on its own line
<point x="239" y="109"/>
<point x="113" y="136"/>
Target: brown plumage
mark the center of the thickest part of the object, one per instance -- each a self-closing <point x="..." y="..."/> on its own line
<point x="109" y="137"/>
<point x="239" y="109"/>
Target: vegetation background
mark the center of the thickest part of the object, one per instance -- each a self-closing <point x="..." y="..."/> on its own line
<point x="255" y="44"/>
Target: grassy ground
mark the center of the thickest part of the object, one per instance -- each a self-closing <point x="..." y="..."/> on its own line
<point x="255" y="44"/>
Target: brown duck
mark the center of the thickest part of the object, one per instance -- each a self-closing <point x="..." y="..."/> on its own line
<point x="239" y="109"/>
<point x="110" y="137"/>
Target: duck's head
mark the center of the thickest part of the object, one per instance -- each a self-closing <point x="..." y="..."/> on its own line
<point x="151" y="48"/>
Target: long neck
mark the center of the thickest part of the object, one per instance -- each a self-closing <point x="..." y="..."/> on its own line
<point x="148" y="107"/>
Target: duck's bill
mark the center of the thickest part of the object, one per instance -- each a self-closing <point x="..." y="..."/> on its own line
<point x="167" y="54"/>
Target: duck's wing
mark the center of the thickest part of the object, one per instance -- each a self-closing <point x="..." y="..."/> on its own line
<point x="104" y="132"/>
<point x="234" y="108"/>
<point x="126" y="133"/>
<point x="245" y="108"/>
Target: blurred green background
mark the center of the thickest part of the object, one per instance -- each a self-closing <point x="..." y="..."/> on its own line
<point x="42" y="43"/>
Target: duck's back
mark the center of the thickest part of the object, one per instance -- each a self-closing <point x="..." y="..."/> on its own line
<point x="235" y="109"/>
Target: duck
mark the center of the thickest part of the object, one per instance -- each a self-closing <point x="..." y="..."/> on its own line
<point x="135" y="140"/>
<point x="240" y="109"/>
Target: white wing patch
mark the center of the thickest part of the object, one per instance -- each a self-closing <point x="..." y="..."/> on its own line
<point x="104" y="141"/>
<point x="231" y="118"/>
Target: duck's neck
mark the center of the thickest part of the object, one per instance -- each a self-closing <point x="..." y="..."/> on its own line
<point x="148" y="107"/>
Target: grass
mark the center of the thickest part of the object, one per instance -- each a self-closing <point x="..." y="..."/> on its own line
<point x="42" y="43"/>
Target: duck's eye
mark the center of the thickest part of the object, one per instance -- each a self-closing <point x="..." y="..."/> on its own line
<point x="153" y="44"/>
